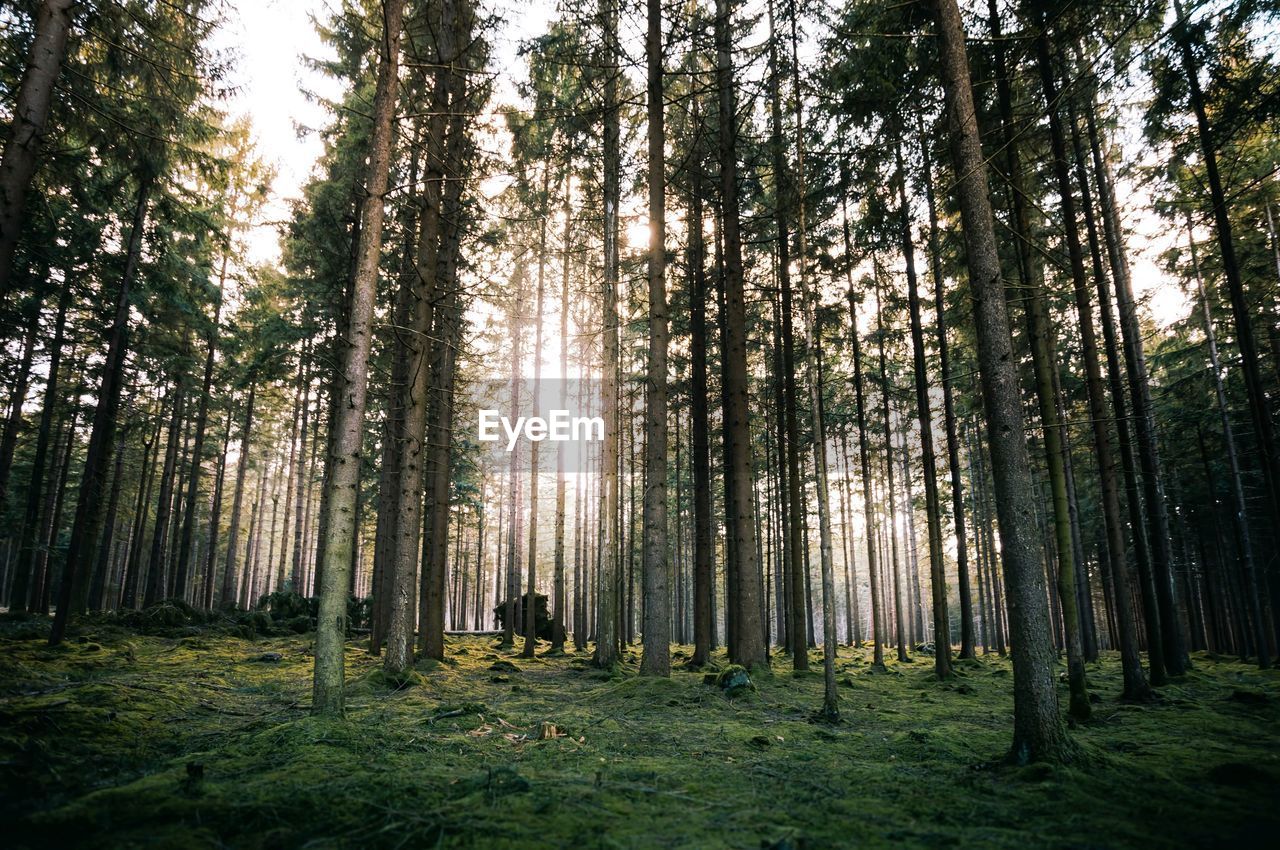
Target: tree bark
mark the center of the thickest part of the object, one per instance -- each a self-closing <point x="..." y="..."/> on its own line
<point x="20" y="591"/>
<point x="656" y="658"/>
<point x="30" y="116"/>
<point x="967" y="638"/>
<point x="1239" y="509"/>
<point x="606" y="649"/>
<point x="229" y="581"/>
<point x="1038" y="728"/>
<point x="183" y="565"/>
<point x="73" y="594"/>
<point x="1051" y="404"/>
<point x="348" y="422"/>
<point x="924" y="415"/>
<point x="164" y="502"/>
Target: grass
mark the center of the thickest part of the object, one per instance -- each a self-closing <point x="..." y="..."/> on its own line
<point x="122" y="740"/>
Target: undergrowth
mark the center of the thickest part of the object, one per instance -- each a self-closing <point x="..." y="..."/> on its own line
<point x="118" y="739"/>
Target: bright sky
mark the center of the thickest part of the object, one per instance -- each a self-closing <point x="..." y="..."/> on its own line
<point x="271" y="37"/>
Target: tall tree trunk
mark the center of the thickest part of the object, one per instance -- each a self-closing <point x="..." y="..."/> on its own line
<point x="924" y="415"/>
<point x="14" y="421"/>
<point x="559" y="616"/>
<point x="899" y="617"/>
<point x="385" y="536"/>
<point x="102" y="594"/>
<point x="703" y="576"/>
<point x="606" y="650"/>
<point x="1259" y="405"/>
<point x="74" y="592"/>
<point x="228" y="593"/>
<point x="830" y="698"/>
<point x="458" y="151"/>
<point x="796" y="544"/>
<point x="511" y="601"/>
<point x="348" y="421"/>
<point x="967" y="640"/>
<point x="1239" y="509"/>
<point x="301" y="482"/>
<point x="852" y="606"/>
<point x="215" y="517"/>
<point x="134" y="565"/>
<point x="750" y="650"/>
<point x="531" y="594"/>
<point x="164" y="502"/>
<point x="1150" y="610"/>
<point x="656" y="658"/>
<point x="20" y="591"/>
<point x="1080" y="707"/>
<point x="868" y="509"/>
<point x="1038" y="728"/>
<point x="30" y="115"/>
<point x="405" y="546"/>
<point x="183" y="564"/>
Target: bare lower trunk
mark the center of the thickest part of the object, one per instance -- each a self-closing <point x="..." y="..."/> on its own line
<point x="606" y="650"/>
<point x="1038" y="729"/>
<point x="656" y="659"/>
<point x="74" y="592"/>
<point x="348" y="421"/>
<point x="933" y="512"/>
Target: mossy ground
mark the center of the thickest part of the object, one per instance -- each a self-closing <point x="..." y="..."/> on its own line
<point x="119" y="740"/>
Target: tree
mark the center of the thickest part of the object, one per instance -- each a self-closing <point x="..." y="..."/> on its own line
<point x="347" y="422"/>
<point x="1038" y="729"/>
<point x="30" y="117"/>
<point x="656" y="660"/>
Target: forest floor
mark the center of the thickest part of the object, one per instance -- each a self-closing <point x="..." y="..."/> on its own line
<point x="120" y="740"/>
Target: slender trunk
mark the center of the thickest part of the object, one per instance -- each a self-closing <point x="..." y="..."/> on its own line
<point x="229" y="574"/>
<point x="924" y="415"/>
<point x="750" y="649"/>
<point x="531" y="594"/>
<point x="899" y="619"/>
<point x="30" y="115"/>
<point x="703" y="576"/>
<point x="1259" y="405"/>
<point x="1239" y="509"/>
<point x="606" y="649"/>
<point x="949" y="415"/>
<point x="173" y="439"/>
<point x="14" y="422"/>
<point x="185" y="556"/>
<point x="656" y="658"/>
<point x="1054" y="433"/>
<point x="215" y="518"/>
<point x="102" y="593"/>
<point x="20" y="591"/>
<point x="1038" y="728"/>
<point x="449" y="326"/>
<point x="559" y="614"/>
<point x="1134" y="688"/>
<point x="73" y="594"/>
<point x="134" y="565"/>
<point x="405" y="532"/>
<point x="301" y="482"/>
<point x="868" y="509"/>
<point x="348" y="422"/>
<point x="796" y="543"/>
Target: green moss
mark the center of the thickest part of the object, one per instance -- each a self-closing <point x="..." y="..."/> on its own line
<point x="188" y="742"/>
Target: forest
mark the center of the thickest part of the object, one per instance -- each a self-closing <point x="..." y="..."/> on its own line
<point x="702" y="423"/>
